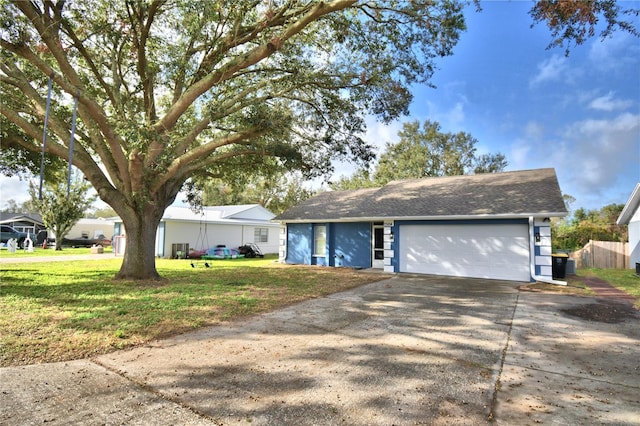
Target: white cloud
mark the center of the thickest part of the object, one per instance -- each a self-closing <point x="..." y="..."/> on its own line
<point x="454" y="118"/>
<point x="519" y="155"/>
<point x="12" y="188"/>
<point x="601" y="150"/>
<point x="608" y="103"/>
<point x="451" y="119"/>
<point x="614" y="52"/>
<point x="551" y="69"/>
<point x="378" y="134"/>
<point x="593" y="158"/>
<point x="534" y="130"/>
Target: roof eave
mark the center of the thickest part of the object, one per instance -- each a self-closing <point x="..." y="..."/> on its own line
<point x="426" y="218"/>
<point x="630" y="207"/>
<point x="242" y="222"/>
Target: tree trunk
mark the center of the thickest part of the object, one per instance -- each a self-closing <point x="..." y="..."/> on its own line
<point x="139" y="261"/>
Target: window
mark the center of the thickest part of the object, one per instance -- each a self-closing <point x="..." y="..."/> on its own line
<point x="319" y="240"/>
<point x="261" y="235"/>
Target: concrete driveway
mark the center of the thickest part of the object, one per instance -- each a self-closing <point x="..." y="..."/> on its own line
<point x="407" y="350"/>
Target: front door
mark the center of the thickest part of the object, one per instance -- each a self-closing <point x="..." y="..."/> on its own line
<point x="377" y="255"/>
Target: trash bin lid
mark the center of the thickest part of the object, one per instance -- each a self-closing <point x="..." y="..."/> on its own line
<point x="560" y="255"/>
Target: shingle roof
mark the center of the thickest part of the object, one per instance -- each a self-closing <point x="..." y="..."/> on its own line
<point x="515" y="194"/>
<point x="17" y="217"/>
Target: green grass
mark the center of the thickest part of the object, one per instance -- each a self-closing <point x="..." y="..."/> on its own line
<point x="55" y="311"/>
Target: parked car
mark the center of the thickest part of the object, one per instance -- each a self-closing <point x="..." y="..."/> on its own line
<point x="7" y="233"/>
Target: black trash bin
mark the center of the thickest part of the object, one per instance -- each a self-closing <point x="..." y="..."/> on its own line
<point x="559" y="265"/>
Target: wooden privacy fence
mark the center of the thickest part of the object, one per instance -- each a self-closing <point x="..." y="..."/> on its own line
<point x="602" y="254"/>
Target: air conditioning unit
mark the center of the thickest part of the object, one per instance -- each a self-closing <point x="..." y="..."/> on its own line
<point x="180" y="250"/>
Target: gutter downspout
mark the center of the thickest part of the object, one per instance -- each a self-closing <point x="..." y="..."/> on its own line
<point x="532" y="262"/>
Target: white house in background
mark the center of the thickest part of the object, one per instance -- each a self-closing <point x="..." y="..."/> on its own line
<point x="231" y="226"/>
<point x="630" y="215"/>
<point x="92" y="229"/>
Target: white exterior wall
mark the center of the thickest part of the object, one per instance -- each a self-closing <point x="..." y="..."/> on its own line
<point x="282" y="244"/>
<point x="634" y="239"/>
<point x="200" y="237"/>
<point x="91" y="227"/>
<point x="389" y="253"/>
<point x="542" y="249"/>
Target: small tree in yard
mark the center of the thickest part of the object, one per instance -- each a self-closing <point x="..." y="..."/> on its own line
<point x="59" y="210"/>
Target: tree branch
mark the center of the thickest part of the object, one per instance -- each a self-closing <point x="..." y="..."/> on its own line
<point x="77" y="43"/>
<point x="182" y="166"/>
<point x="254" y="56"/>
<point x="94" y="111"/>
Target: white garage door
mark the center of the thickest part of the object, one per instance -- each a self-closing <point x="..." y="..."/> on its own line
<point x="479" y="251"/>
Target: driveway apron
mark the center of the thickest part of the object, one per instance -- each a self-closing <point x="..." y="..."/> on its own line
<point x="408" y="350"/>
<point x="565" y="370"/>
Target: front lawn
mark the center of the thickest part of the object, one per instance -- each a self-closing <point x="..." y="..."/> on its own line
<point x="55" y="311"/>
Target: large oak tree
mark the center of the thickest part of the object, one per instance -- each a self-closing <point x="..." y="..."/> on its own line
<point x="173" y="89"/>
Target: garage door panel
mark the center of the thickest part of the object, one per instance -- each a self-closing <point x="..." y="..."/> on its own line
<point x="481" y="251"/>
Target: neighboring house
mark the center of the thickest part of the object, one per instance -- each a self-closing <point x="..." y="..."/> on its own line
<point x="231" y="226"/>
<point x="92" y="229"/>
<point x="30" y="223"/>
<point x="33" y="224"/>
<point x="494" y="225"/>
<point x="88" y="232"/>
<point x="630" y="215"/>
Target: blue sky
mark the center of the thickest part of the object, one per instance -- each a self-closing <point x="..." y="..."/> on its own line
<point x="578" y="114"/>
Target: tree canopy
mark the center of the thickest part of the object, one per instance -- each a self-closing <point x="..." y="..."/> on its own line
<point x="276" y="192"/>
<point x="424" y="151"/>
<point x="584" y="225"/>
<point x="575" y="21"/>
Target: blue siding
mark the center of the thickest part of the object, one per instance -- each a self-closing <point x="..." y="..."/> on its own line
<point x="299" y="243"/>
<point x="350" y="244"/>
